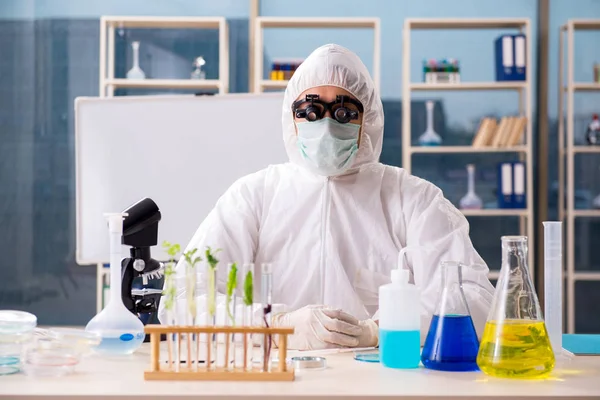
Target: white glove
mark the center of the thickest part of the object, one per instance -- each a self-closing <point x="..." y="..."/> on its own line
<point x="319" y="327"/>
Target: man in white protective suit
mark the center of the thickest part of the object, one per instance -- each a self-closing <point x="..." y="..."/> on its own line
<point x="333" y="219"/>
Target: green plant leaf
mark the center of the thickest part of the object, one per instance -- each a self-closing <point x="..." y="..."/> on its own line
<point x="210" y="257"/>
<point x="248" y="289"/>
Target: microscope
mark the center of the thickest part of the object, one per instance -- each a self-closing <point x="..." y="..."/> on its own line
<point x="142" y="277"/>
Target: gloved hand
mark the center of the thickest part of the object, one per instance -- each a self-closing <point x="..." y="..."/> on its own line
<point x="369" y="336"/>
<point x="319" y="327"/>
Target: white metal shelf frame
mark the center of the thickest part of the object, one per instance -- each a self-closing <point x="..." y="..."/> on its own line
<point x="523" y="88"/>
<point x="567" y="152"/>
<point x="260" y="84"/>
<point x="108" y="24"/>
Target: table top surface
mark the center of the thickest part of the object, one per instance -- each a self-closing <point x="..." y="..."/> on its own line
<point x="105" y="377"/>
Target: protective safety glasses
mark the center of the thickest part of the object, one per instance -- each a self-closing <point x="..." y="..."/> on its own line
<point x="313" y="109"/>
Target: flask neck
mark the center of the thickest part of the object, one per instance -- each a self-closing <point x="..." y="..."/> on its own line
<point x="514" y="254"/>
<point x="471" y="181"/>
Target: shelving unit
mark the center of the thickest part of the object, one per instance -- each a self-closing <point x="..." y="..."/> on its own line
<point x="567" y="152"/>
<point x="108" y="24"/>
<point x="523" y="88"/>
<point x="260" y="84"/>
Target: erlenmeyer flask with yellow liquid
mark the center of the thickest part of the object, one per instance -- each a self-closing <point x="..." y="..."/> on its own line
<point x="515" y="343"/>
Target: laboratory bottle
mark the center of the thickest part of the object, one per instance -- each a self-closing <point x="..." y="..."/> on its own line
<point x="471" y="201"/>
<point x="515" y="342"/>
<point x="451" y="343"/>
<point x="429" y="137"/>
<point x="121" y="331"/>
<point x="399" y="322"/>
<point x="136" y="72"/>
<point x="592" y="135"/>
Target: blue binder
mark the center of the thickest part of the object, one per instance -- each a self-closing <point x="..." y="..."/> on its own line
<point x="519" y="194"/>
<point x="505" y="185"/>
<point x="511" y="58"/>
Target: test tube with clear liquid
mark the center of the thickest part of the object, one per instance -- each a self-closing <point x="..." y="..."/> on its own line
<point x="211" y="313"/>
<point x="248" y="311"/>
<point x="230" y="306"/>
<point x="267" y="304"/>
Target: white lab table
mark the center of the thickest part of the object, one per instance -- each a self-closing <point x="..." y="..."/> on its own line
<point x="101" y="378"/>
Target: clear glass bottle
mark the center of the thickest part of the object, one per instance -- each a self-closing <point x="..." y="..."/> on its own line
<point x="136" y="72"/>
<point x="198" y="73"/>
<point x="451" y="343"/>
<point x="515" y="342"/>
<point x="430" y="137"/>
<point x="471" y="201"/>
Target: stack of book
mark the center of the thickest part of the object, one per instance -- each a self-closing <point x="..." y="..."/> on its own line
<point x="506" y="133"/>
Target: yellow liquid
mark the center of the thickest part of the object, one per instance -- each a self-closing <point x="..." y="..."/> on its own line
<point x="517" y="349"/>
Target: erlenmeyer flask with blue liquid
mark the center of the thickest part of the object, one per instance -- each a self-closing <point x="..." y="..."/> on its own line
<point x="451" y="343"/>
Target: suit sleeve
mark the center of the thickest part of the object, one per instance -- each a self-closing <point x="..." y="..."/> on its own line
<point x="439" y="232"/>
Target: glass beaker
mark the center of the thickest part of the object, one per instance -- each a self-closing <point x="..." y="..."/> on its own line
<point x="451" y="343"/>
<point x="515" y="343"/>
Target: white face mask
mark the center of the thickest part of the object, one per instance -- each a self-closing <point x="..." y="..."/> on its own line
<point x="327" y="146"/>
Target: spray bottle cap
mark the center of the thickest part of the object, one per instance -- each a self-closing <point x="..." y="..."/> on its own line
<point x="115" y="222"/>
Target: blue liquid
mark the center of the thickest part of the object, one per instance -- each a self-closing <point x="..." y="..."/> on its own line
<point x="451" y="344"/>
<point x="120" y="345"/>
<point x="9" y="365"/>
<point x="399" y="349"/>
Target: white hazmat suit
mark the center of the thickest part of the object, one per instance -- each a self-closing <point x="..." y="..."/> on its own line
<point x="334" y="240"/>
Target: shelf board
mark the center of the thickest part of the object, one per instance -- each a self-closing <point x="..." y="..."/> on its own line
<point x="508" y="85"/>
<point x="586" y="149"/>
<point x="269" y="84"/>
<point x="466" y="149"/>
<point x="586" y="276"/>
<point x="586" y="213"/>
<point x="584" y="86"/>
<point x="165" y="83"/>
<point x="584" y="24"/>
<point x="465" y="23"/>
<point x="316" y="22"/>
<point x="164" y="22"/>
<point x="498" y="212"/>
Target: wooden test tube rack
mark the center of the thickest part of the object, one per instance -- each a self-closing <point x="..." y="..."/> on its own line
<point x="205" y="373"/>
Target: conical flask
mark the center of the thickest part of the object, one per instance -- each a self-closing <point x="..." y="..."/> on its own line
<point x="515" y="343"/>
<point x="471" y="201"/>
<point x="451" y="343"/>
<point x="430" y="137"/>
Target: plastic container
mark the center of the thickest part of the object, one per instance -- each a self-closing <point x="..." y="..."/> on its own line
<point x="16" y="330"/>
<point x="399" y="321"/>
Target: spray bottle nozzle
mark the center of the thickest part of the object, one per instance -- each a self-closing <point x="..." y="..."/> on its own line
<point x="402" y="273"/>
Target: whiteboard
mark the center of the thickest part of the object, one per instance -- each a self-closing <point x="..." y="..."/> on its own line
<point x="181" y="151"/>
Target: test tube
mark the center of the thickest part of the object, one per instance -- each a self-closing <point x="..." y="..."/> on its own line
<point x="267" y="305"/>
<point x="190" y="291"/>
<point x="230" y="306"/>
<point x="211" y="313"/>
<point x="247" y="315"/>
<point x="553" y="278"/>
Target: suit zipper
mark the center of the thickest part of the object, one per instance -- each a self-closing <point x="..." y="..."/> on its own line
<point x="324" y="226"/>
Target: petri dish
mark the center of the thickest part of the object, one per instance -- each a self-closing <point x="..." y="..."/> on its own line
<point x="50" y="358"/>
<point x="81" y="341"/>
<point x="367" y="357"/>
<point x="310" y="363"/>
<point x="16" y="330"/>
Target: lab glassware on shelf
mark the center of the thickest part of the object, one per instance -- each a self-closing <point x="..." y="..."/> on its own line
<point x="198" y="73"/>
<point x="441" y="71"/>
<point x="136" y="72"/>
<point x="471" y="201"/>
<point x="429" y="137"/>
<point x="592" y="134"/>
<point x="451" y="343"/>
<point x="515" y="343"/>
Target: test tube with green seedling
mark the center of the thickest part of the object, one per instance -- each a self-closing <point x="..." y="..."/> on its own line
<point x="230" y="304"/>
<point x="211" y="303"/>
<point x="191" y="277"/>
<point x="170" y="292"/>
<point x="248" y="299"/>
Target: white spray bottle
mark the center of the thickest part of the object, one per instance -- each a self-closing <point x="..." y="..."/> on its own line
<point x="400" y="320"/>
